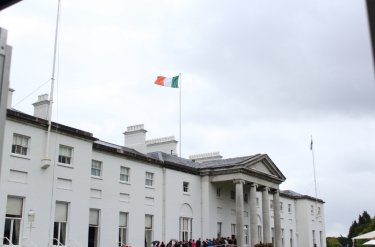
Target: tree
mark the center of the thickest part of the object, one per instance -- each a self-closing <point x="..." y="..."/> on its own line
<point x="333" y="242"/>
<point x="365" y="224"/>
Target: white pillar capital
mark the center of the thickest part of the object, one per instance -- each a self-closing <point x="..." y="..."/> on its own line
<point x="237" y="181"/>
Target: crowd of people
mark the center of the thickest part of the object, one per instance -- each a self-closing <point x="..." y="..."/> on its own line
<point x="214" y="242"/>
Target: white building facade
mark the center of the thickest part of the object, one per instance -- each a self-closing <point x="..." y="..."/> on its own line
<point x="96" y="194"/>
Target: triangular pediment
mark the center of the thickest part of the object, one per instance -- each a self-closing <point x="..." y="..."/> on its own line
<point x="264" y="165"/>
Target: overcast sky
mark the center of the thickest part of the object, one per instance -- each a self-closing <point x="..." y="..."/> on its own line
<point x="257" y="77"/>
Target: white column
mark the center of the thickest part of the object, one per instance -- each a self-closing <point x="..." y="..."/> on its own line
<point x="253" y="215"/>
<point x="266" y="216"/>
<point x="277" y="221"/>
<point x="239" y="212"/>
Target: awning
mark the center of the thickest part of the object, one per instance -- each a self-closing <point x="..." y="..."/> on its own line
<point x="371" y="242"/>
<point x="369" y="235"/>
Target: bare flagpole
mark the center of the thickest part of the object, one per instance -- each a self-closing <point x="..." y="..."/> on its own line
<point x="313" y="160"/>
<point x="180" y="86"/>
<point x="46" y="162"/>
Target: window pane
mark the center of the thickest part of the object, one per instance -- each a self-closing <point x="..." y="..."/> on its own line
<point x="16" y="232"/>
<point x="148" y="221"/>
<point x="94" y="217"/>
<point x="61" y="213"/>
<point x="62" y="233"/>
<point x="14" y="206"/>
<point x="123" y="219"/>
<point x="7" y="226"/>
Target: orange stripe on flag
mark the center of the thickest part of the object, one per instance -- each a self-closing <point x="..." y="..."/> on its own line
<point x="160" y="80"/>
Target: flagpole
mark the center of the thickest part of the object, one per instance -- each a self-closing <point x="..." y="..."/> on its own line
<point x="313" y="160"/>
<point x="180" y="86"/>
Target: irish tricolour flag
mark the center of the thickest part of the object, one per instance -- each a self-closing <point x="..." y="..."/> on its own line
<point x="167" y="82"/>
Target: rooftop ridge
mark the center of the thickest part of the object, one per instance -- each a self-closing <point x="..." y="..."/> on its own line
<point x="160" y="140"/>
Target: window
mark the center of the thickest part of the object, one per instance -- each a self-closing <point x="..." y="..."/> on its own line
<point x="291" y="238"/>
<point x="281" y="206"/>
<point x="318" y="210"/>
<point x="289" y="208"/>
<point x="260" y="233"/>
<point x="96" y="168"/>
<point x="65" y="155"/>
<point x="60" y="224"/>
<point x="219" y="229"/>
<point x="257" y="201"/>
<point x="246" y="234"/>
<point x="321" y="238"/>
<point x="313" y="235"/>
<point x="271" y="204"/>
<point x="94" y="228"/>
<point x="245" y="197"/>
<point x="20" y="144"/>
<point x="185" y="228"/>
<point x="273" y="235"/>
<point x="148" y="229"/>
<point x="233" y="230"/>
<point x="123" y="229"/>
<point x="312" y="209"/>
<point x="149" y="179"/>
<point x="185" y="187"/>
<point x="282" y="238"/>
<point x="13" y="217"/>
<point x="124" y="174"/>
<point x="232" y="194"/>
<point x="218" y="192"/>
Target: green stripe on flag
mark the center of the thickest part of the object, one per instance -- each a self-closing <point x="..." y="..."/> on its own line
<point x="174" y="83"/>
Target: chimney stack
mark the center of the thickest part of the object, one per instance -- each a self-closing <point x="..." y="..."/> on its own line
<point x="41" y="107"/>
<point x="164" y="144"/>
<point x="206" y="157"/>
<point x="135" y="137"/>
<point x="10" y="98"/>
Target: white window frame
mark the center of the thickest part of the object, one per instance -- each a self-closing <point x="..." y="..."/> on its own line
<point x="149" y="179"/>
<point x="185" y="186"/>
<point x="233" y="230"/>
<point x="123" y="229"/>
<point x="186" y="225"/>
<point x="246" y="234"/>
<point x="219" y="229"/>
<point x="65" y="155"/>
<point x="15" y="221"/>
<point x="218" y="192"/>
<point x="124" y="174"/>
<point x="289" y="208"/>
<point x="20" y="145"/>
<point x="62" y="226"/>
<point x="149" y="229"/>
<point x="95" y="225"/>
<point x="96" y="168"/>
<point x="232" y="195"/>
<point x="291" y="238"/>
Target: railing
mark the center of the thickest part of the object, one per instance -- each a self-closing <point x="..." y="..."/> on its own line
<point x="10" y="242"/>
<point x="58" y="242"/>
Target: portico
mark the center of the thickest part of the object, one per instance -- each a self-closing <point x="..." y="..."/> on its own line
<point x="249" y="175"/>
